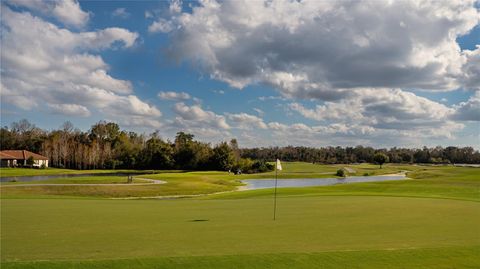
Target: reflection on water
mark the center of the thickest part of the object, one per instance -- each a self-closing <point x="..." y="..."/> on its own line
<point x="253" y="184"/>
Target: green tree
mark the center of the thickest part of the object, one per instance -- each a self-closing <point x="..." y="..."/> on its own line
<point x="30" y="161"/>
<point x="380" y="158"/>
<point x="184" y="151"/>
<point x="223" y="157"/>
<point x="157" y="154"/>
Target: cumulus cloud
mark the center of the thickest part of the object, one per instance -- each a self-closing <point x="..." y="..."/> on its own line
<point x="247" y="121"/>
<point x="165" y="25"/>
<point x="177" y="96"/>
<point x="469" y="110"/>
<point x="196" y="116"/>
<point x="120" y="12"/>
<point x="162" y="26"/>
<point x="392" y="104"/>
<point x="68" y="12"/>
<point x="70" y="110"/>
<point x="60" y="71"/>
<point x="471" y="69"/>
<point x="385" y="109"/>
<point x="355" y="59"/>
<point x="311" y="48"/>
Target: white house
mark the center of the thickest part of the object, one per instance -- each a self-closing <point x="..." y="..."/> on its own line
<point x="12" y="158"/>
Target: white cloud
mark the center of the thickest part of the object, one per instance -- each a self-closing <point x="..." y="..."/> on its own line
<point x="196" y="116"/>
<point x="68" y="12"/>
<point x="471" y="69"/>
<point x="259" y="111"/>
<point x="54" y="67"/>
<point x="70" y="110"/>
<point x="148" y="14"/>
<point x="393" y="104"/>
<point x="177" y="96"/>
<point x="120" y="12"/>
<point x="265" y="98"/>
<point x="469" y="110"/>
<point x="165" y="25"/>
<point x="247" y="121"/>
<point x="161" y="26"/>
<point x="219" y="91"/>
<point x="309" y="49"/>
<point x="385" y="109"/>
<point x="132" y="106"/>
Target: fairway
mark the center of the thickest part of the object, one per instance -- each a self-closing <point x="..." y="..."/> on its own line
<point x="104" y="229"/>
<point x="428" y="221"/>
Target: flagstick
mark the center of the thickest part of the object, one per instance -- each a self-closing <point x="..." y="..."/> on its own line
<point x="275" y="195"/>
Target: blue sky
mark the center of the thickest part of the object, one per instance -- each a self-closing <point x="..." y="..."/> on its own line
<point x="282" y="73"/>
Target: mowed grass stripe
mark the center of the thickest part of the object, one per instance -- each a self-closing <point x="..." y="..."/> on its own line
<point x="434" y="258"/>
<point x="52" y="229"/>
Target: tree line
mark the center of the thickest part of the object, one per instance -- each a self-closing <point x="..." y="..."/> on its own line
<point x="106" y="146"/>
<point x="361" y="154"/>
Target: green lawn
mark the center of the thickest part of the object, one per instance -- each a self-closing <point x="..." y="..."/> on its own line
<point x="429" y="221"/>
<point x="438" y="258"/>
<point x="71" y="229"/>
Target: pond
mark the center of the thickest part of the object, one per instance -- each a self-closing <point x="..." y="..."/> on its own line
<point x="253" y="184"/>
<point x="45" y="177"/>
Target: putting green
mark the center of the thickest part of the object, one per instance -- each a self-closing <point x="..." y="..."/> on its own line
<point x="108" y="229"/>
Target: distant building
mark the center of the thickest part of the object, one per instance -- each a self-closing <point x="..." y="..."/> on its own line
<point x="13" y="158"/>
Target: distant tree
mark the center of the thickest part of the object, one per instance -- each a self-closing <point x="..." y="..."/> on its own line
<point x="30" y="161"/>
<point x="235" y="148"/>
<point x="223" y="157"/>
<point x="157" y="154"/>
<point x="340" y="173"/>
<point x="380" y="158"/>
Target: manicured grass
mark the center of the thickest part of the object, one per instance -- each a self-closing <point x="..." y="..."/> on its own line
<point x="71" y="229"/>
<point x="429" y="221"/>
<point x="438" y="258"/>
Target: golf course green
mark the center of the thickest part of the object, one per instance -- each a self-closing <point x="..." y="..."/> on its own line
<point x="430" y="220"/>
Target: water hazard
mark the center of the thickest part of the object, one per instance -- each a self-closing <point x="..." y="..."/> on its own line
<point x="253" y="184"/>
<point x="45" y="177"/>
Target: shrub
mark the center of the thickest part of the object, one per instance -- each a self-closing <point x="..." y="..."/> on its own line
<point x="341" y="173"/>
<point x="248" y="166"/>
<point x="30" y="161"/>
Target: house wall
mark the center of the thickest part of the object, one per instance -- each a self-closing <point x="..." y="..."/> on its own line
<point x="12" y="163"/>
<point x="8" y="163"/>
<point x="39" y="163"/>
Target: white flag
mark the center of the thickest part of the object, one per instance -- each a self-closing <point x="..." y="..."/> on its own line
<point x="279" y="165"/>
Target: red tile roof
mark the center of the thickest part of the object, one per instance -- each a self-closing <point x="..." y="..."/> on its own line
<point x="20" y="155"/>
<point x="4" y="156"/>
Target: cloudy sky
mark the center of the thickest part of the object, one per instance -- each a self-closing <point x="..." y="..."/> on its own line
<point x="314" y="73"/>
